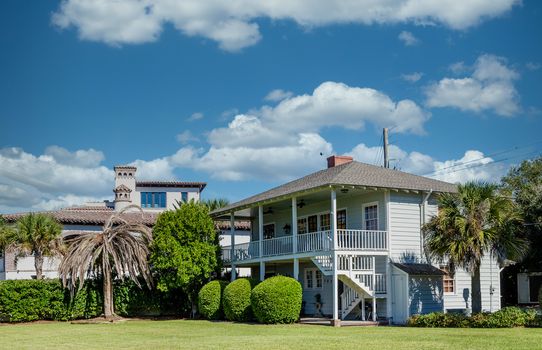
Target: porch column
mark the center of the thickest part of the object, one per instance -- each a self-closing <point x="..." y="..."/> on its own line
<point x="363" y="308"/>
<point x="260" y="230"/>
<point x="262" y="270"/>
<point x="294" y="238"/>
<point x="232" y="234"/>
<point x="388" y="258"/>
<point x="333" y="222"/>
<point x="374" y="309"/>
<point x="260" y="241"/>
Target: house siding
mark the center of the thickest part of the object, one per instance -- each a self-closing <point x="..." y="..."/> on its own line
<point x="405" y="232"/>
<point x="425" y="294"/>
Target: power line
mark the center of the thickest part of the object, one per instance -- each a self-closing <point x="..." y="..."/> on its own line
<point x="482" y="158"/>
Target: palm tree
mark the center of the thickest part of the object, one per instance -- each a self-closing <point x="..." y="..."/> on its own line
<point x="216" y="203"/>
<point x="122" y="249"/>
<point x="37" y="234"/>
<point x="470" y="224"/>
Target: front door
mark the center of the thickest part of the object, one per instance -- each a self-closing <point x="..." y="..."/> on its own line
<point x="399" y="299"/>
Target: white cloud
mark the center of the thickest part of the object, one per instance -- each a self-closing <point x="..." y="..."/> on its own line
<point x="278" y="95"/>
<point x="232" y="24"/>
<point x="459" y="67"/>
<point x="490" y="87"/>
<point x="28" y="180"/>
<point x="186" y="137"/>
<point x="472" y="166"/>
<point x="533" y="66"/>
<point x="412" y="77"/>
<point x="195" y="116"/>
<point x="156" y="169"/>
<point x="408" y="38"/>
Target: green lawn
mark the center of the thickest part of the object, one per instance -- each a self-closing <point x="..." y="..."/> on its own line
<point x="223" y="335"/>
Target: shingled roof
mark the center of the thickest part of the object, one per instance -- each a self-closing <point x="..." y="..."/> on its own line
<point x="351" y="174"/>
<point x="420" y="269"/>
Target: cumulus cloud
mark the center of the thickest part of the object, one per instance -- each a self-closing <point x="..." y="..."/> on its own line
<point x="195" y="116"/>
<point x="412" y="77"/>
<point x="186" y="137"/>
<point x="278" y="95"/>
<point x="408" y="38"/>
<point x="29" y="180"/>
<point x="532" y="66"/>
<point x="472" y="166"/>
<point x="232" y="24"/>
<point x="490" y="87"/>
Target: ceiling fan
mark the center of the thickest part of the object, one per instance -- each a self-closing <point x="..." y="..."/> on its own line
<point x="301" y="203"/>
<point x="269" y="210"/>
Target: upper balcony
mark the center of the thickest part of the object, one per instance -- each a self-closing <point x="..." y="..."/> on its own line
<point x="308" y="243"/>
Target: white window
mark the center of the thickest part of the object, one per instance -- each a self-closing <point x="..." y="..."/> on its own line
<point x="313" y="279"/>
<point x="370" y="216"/>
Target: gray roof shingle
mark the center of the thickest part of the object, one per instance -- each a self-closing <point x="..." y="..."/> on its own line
<point x="354" y="174"/>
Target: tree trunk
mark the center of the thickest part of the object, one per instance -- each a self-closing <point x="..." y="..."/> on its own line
<point x="476" y="290"/>
<point x="108" y="294"/>
<point x="38" y="264"/>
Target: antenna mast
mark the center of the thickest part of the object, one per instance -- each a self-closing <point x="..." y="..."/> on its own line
<point x="386" y="154"/>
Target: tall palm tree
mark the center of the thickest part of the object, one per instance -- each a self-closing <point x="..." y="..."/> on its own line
<point x="36" y="234"/>
<point x="121" y="249"/>
<point x="470" y="224"/>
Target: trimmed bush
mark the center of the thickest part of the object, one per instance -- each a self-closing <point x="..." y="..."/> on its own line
<point x="507" y="317"/>
<point x="277" y="300"/>
<point x="210" y="300"/>
<point x="236" y="300"/>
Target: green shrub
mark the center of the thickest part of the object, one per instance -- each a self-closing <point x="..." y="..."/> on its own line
<point x="236" y="300"/>
<point x="505" y="318"/>
<point x="439" y="319"/>
<point x="277" y="300"/>
<point x="210" y="300"/>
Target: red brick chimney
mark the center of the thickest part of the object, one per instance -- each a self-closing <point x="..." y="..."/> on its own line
<point x="334" y="161"/>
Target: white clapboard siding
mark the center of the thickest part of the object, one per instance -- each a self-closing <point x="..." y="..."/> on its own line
<point x="404" y="226"/>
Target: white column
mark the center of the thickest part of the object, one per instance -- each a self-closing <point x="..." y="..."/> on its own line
<point x="262" y="270"/>
<point x="296" y="268"/>
<point x="333" y="222"/>
<point x="388" y="262"/>
<point x="260" y="230"/>
<point x="294" y="237"/>
<point x="260" y="244"/>
<point x="232" y="234"/>
<point x="363" y="308"/>
<point x="374" y="309"/>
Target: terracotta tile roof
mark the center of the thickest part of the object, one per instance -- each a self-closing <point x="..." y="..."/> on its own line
<point x="352" y="173"/>
<point x="240" y="225"/>
<point x="90" y="216"/>
<point x="184" y="184"/>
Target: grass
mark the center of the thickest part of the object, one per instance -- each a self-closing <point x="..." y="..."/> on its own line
<point x="185" y="334"/>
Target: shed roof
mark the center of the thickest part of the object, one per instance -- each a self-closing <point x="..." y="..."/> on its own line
<point x="352" y="173"/>
<point x="419" y="269"/>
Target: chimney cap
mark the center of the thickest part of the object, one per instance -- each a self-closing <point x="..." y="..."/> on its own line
<point x="334" y="161"/>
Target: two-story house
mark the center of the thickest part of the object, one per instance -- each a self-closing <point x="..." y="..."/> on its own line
<point x="351" y="234"/>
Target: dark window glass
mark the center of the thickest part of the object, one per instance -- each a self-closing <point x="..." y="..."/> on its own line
<point x="341" y="219"/>
<point x="153" y="199"/>
<point x="313" y="223"/>
<point x="268" y="231"/>
<point x="184" y="196"/>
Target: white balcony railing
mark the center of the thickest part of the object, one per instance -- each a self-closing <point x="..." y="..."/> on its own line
<point x="320" y="241"/>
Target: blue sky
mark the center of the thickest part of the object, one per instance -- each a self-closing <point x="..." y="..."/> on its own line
<point x="245" y="95"/>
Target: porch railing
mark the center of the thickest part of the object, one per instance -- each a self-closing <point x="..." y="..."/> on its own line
<point x="310" y="242"/>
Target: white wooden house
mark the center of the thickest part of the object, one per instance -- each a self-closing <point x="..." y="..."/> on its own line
<point x="351" y="235"/>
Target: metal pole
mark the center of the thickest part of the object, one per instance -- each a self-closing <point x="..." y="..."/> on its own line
<point x="386" y="154"/>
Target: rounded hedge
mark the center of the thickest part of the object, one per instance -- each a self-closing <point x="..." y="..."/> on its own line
<point x="236" y="300"/>
<point x="210" y="300"/>
<point x="277" y="300"/>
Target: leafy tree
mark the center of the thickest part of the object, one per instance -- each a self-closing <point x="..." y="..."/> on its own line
<point x="211" y="204"/>
<point x="121" y="249"/>
<point x="35" y="234"/>
<point x="470" y="224"/>
<point x="524" y="184"/>
<point x="185" y="250"/>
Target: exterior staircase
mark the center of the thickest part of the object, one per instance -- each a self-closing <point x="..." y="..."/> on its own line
<point x="324" y="263"/>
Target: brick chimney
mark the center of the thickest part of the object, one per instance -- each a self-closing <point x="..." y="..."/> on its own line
<point x="334" y="161"/>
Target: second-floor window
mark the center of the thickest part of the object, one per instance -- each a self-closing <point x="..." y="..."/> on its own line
<point x="153" y="199"/>
<point x="341" y="219"/>
<point x="370" y="214"/>
<point x="184" y="196"/>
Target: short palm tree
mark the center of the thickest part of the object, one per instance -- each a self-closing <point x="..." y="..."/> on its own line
<point x="34" y="234"/>
<point x="470" y="224"/>
<point x="120" y="250"/>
